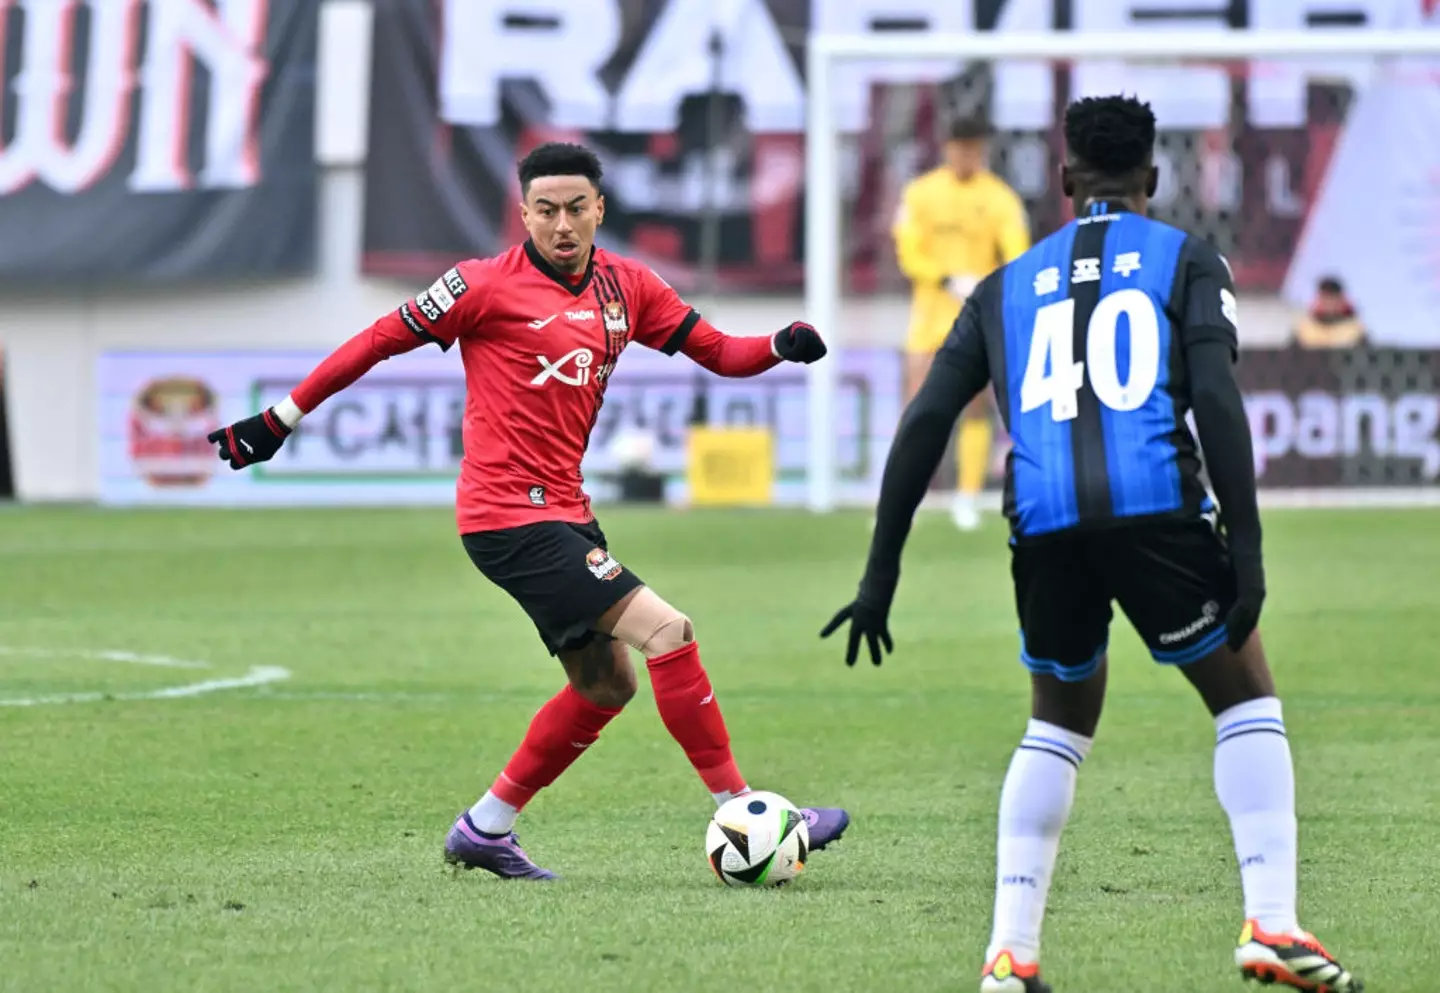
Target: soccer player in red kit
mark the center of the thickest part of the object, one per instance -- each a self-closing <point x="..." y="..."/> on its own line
<point x="540" y="328"/>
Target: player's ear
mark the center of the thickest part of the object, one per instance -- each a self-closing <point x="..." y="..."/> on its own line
<point x="599" y="210"/>
<point x="1152" y="180"/>
<point x="1067" y="182"/>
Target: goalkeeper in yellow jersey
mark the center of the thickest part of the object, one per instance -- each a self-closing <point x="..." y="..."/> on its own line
<point x="956" y="223"/>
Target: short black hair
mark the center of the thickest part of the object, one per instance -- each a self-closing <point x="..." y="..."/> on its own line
<point x="1110" y="138"/>
<point x="559" y="158"/>
<point x="969" y="129"/>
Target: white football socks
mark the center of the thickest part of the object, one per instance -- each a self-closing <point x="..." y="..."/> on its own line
<point x="1255" y="781"/>
<point x="1034" y="806"/>
<point x="724" y="795"/>
<point x="493" y="815"/>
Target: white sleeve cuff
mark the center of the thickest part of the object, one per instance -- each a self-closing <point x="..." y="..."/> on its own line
<point x="289" y="412"/>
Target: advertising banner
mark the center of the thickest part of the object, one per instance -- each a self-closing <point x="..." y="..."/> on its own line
<point x="395" y="436"/>
<point x="1364" y="417"/>
<point x="462" y="89"/>
<point x="156" y="140"/>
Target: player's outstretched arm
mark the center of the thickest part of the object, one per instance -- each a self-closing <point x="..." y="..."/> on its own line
<point x="426" y="318"/>
<point x="959" y="373"/>
<point x="739" y="356"/>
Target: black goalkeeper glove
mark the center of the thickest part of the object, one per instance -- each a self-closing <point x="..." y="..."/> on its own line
<point x="1244" y="616"/>
<point x="255" y="439"/>
<point x="799" y="343"/>
<point x="869" y="618"/>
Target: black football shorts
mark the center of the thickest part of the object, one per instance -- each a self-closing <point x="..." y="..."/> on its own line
<point x="562" y="575"/>
<point x="1172" y="579"/>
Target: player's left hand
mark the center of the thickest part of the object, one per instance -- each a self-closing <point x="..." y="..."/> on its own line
<point x="867" y="620"/>
<point x="255" y="439"/>
<point x="961" y="285"/>
<point x="1244" y="616"/>
<point x="800" y="343"/>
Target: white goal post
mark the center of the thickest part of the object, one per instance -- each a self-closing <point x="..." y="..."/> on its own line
<point x="823" y="251"/>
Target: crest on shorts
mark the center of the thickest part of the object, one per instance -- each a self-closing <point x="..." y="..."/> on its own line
<point x="602" y="565"/>
<point x="616" y="319"/>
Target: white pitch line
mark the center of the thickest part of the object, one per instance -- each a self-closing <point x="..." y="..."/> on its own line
<point x="101" y="655"/>
<point x="258" y="675"/>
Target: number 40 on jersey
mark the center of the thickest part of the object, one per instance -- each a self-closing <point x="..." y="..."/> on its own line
<point x="1054" y="376"/>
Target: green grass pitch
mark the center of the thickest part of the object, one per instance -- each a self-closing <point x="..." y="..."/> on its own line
<point x="287" y="837"/>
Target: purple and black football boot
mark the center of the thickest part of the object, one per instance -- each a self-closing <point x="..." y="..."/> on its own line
<point x="469" y="848"/>
<point x="826" y="824"/>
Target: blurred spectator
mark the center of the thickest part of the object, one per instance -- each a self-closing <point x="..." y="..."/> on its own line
<point x="1332" y="321"/>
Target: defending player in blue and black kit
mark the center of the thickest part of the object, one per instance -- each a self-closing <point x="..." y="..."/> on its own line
<point x="1099" y="341"/>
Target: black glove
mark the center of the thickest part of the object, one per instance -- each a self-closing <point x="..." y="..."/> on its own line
<point x="1249" y="596"/>
<point x="800" y="343"/>
<point x="255" y="439"/>
<point x="867" y="618"/>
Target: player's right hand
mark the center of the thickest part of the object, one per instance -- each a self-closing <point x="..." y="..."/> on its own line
<point x="255" y="439"/>
<point x="1244" y="616"/>
<point x="867" y="620"/>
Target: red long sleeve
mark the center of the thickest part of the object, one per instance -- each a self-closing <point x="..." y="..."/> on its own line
<point x="729" y="355"/>
<point x="386" y="337"/>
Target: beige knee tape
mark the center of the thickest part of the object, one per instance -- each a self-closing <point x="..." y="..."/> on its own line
<point x="653" y="627"/>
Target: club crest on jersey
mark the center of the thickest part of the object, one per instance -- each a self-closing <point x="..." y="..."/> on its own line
<point x="615" y="317"/>
<point x="602" y="565"/>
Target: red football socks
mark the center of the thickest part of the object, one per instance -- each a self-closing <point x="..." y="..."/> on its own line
<point x="558" y="735"/>
<point x="687" y="706"/>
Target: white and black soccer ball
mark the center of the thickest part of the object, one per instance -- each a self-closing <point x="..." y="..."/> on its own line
<point x="757" y="839"/>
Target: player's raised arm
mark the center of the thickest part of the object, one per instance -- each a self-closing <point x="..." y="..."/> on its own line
<point x="668" y="324"/>
<point x="438" y="315"/>
<point x="960" y="371"/>
<point x="1210" y="335"/>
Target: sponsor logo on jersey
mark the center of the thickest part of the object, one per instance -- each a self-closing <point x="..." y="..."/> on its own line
<point x="579" y="315"/>
<point x="579" y="360"/>
<point x="602" y="565"/>
<point x="537" y="495"/>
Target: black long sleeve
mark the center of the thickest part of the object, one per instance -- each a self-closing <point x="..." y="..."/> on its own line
<point x="1225" y="440"/>
<point x="959" y="373"/>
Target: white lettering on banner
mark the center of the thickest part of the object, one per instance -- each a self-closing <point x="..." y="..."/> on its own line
<point x="391" y="427"/>
<point x="1183" y="96"/>
<point x="1277" y="90"/>
<point x="852" y="79"/>
<point x="227" y="40"/>
<point x="559" y="44"/>
<point x="674" y="62"/>
<point x="1319" y="425"/>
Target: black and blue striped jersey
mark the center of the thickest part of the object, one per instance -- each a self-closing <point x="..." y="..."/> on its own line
<point x="1085" y="339"/>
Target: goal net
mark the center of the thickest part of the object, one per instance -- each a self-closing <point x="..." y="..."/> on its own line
<point x="1310" y="159"/>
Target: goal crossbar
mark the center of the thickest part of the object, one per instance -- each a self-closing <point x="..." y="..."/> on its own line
<point x="823" y="256"/>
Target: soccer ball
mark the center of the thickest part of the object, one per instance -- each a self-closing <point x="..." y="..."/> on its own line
<point x="757" y="839"/>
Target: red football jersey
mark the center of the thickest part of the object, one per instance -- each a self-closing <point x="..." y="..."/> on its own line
<point x="538" y="348"/>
